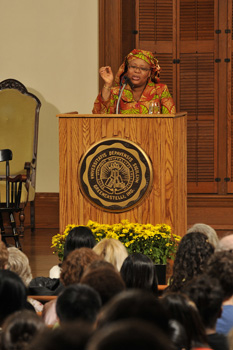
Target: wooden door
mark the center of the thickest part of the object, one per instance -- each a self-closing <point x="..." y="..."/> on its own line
<point x="184" y="41"/>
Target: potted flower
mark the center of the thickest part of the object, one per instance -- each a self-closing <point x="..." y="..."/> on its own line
<point x="155" y="241"/>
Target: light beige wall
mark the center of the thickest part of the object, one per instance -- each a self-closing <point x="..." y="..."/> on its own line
<point x="51" y="46"/>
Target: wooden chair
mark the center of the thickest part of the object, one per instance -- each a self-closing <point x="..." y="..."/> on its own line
<point x="19" y="118"/>
<point x="11" y="203"/>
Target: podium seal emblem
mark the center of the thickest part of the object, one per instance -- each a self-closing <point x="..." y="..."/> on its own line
<point x="115" y="174"/>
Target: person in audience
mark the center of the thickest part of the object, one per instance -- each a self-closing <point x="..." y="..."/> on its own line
<point x="18" y="262"/>
<point x="220" y="266"/>
<point x="70" y="336"/>
<point x="134" y="303"/>
<point x="179" y="337"/>
<point x="75" y="264"/>
<point x="230" y="339"/>
<point x="78" y="302"/>
<point x="226" y="243"/>
<point x="72" y="269"/>
<point x="181" y="309"/>
<point x="208" y="231"/>
<point x="131" y="334"/>
<point x="78" y="237"/>
<point x="106" y="280"/>
<point x="112" y="250"/>
<point x="3" y="255"/>
<point x="13" y="294"/>
<point x="206" y="292"/>
<point x="19" y="329"/>
<point x="98" y="264"/>
<point x="191" y="257"/>
<point x="138" y="271"/>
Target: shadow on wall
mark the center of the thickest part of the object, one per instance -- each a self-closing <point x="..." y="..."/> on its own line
<point x="48" y="146"/>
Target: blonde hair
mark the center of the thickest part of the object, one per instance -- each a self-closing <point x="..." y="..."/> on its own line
<point x="208" y="231"/>
<point x="226" y="242"/>
<point x="112" y="251"/>
<point x="3" y="255"/>
<point x="18" y="262"/>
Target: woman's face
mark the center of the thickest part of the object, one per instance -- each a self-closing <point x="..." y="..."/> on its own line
<point x="138" y="72"/>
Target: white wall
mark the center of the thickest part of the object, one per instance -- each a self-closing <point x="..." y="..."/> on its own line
<point x="51" y="46"/>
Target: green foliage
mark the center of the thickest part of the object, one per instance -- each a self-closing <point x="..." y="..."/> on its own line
<point x="157" y="241"/>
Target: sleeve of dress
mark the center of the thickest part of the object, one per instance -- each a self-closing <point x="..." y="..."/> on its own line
<point x="100" y="106"/>
<point x="167" y="103"/>
<point x="106" y="107"/>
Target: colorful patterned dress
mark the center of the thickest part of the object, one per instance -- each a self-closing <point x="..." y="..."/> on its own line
<point x="156" y="92"/>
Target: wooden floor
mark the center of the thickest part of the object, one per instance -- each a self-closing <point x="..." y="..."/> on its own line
<point x="37" y="248"/>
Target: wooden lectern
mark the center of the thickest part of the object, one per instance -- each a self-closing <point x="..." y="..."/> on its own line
<point x="163" y="139"/>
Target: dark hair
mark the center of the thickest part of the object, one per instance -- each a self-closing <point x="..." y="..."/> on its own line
<point x="75" y="263"/>
<point x="78" y="237"/>
<point x="179" y="337"/>
<point x="72" y="336"/>
<point x="138" y="271"/>
<point x="135" y="303"/>
<point x="181" y="309"/>
<point x="19" y="329"/>
<point x="220" y="266"/>
<point x="106" y="281"/>
<point x="131" y="335"/>
<point x="207" y="294"/>
<point x="78" y="302"/>
<point x="13" y="294"/>
<point x="193" y="252"/>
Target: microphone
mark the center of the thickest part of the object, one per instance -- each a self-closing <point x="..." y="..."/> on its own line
<point x="125" y="80"/>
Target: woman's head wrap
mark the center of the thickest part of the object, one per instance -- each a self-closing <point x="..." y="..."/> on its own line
<point x="146" y="56"/>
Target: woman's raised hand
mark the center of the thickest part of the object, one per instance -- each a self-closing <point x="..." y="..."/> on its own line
<point x="107" y="75"/>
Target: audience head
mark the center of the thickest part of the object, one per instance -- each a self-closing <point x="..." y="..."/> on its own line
<point x="130" y="335"/>
<point x="136" y="304"/>
<point x="75" y="264"/>
<point x="72" y="336"/>
<point x="18" y="262"/>
<point x="78" y="302"/>
<point x="208" y="231"/>
<point x="13" y="294"/>
<point x="19" y="329"/>
<point x="220" y="266"/>
<point x="191" y="257"/>
<point x="226" y="243"/>
<point x="99" y="264"/>
<point x="112" y="250"/>
<point x="79" y="237"/>
<point x="179" y="337"/>
<point x="206" y="292"/>
<point x="138" y="271"/>
<point x="3" y="255"/>
<point x="105" y="280"/>
<point x="181" y="309"/>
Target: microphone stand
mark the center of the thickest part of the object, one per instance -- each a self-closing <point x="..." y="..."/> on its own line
<point x="126" y="81"/>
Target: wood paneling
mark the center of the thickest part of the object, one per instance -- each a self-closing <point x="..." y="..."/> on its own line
<point x="197" y="19"/>
<point x="216" y="211"/>
<point x="46" y="211"/>
<point x="164" y="141"/>
<point x="110" y="34"/>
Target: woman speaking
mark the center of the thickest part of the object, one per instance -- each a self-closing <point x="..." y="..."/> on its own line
<point x="136" y="88"/>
